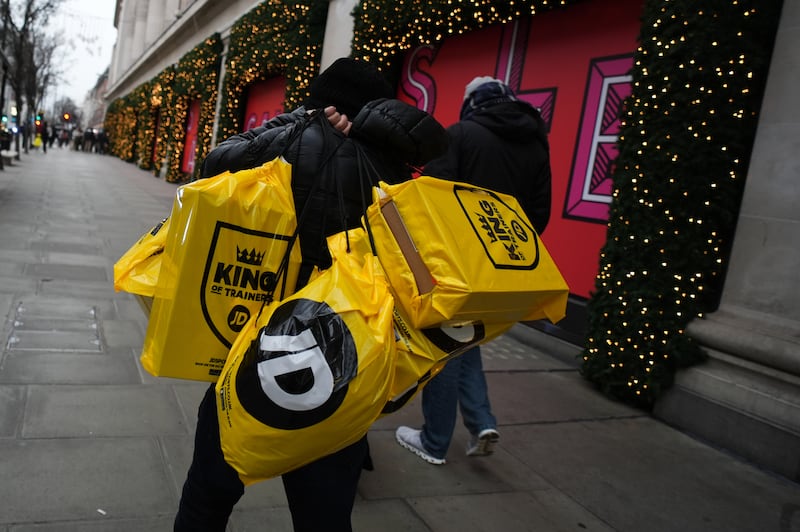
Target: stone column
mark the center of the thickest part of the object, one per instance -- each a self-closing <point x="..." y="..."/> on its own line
<point x="171" y="8"/>
<point x="155" y="22"/>
<point x="124" y="55"/>
<point x="338" y="31"/>
<point x="139" y="30"/>
<point x="747" y="397"/>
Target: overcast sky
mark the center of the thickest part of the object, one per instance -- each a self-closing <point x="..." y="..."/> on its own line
<point x="87" y="32"/>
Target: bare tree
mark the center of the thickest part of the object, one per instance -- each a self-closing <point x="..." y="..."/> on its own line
<point x="31" y="54"/>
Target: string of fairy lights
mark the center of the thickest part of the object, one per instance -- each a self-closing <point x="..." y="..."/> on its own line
<point x="273" y="39"/>
<point x="687" y="131"/>
<point x="384" y="28"/>
<point x="685" y="140"/>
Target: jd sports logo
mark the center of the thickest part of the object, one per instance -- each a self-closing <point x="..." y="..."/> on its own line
<point x="238" y="316"/>
<point x="238" y="276"/>
<point x="296" y="372"/>
<point x="508" y="240"/>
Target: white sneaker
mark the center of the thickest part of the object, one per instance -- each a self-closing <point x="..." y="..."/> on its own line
<point x="483" y="444"/>
<point x="410" y="439"/>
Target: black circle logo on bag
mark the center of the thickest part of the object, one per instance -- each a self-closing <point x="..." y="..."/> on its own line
<point x="237" y="317"/>
<point x="297" y="370"/>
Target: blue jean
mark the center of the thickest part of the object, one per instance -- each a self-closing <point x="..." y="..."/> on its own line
<point x="460" y="384"/>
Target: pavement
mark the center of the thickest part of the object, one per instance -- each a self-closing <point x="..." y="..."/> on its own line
<point x="91" y="442"/>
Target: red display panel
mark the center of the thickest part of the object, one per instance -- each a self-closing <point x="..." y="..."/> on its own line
<point x="190" y="147"/>
<point x="264" y="101"/>
<point x="574" y="65"/>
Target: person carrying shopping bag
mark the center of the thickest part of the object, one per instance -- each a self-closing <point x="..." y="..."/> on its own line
<point x="395" y="137"/>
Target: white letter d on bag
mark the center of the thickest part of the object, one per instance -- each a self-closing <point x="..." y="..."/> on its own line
<point x="303" y="353"/>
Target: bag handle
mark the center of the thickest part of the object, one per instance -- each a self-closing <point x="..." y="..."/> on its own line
<point x="297" y="135"/>
<point x="366" y="171"/>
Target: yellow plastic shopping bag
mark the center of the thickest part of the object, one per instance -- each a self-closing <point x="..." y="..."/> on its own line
<point x="421" y="353"/>
<point x="137" y="270"/>
<point x="454" y="252"/>
<point x="310" y="374"/>
<point x="227" y="238"/>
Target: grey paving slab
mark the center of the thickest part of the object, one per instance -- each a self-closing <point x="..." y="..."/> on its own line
<point x="122" y="333"/>
<point x="178" y="456"/>
<point x="87" y="289"/>
<point x="11" y="269"/>
<point x="61" y="246"/>
<point x="106" y="524"/>
<point x="128" y="308"/>
<point x="61" y="411"/>
<point x="17" y="240"/>
<point x="400" y="473"/>
<point x="257" y="520"/>
<point x="6" y="307"/>
<point x="12" y="406"/>
<point x="82" y="479"/>
<point x="67" y="272"/>
<point x="66" y="223"/>
<point x="22" y="340"/>
<point x="17" y="256"/>
<point x="55" y="306"/>
<point x="383" y="516"/>
<point x="528" y="397"/>
<point x="637" y="474"/>
<point x="543" y="510"/>
<point x="31" y="323"/>
<point x="75" y="259"/>
<point x="505" y="354"/>
<point x="68" y="368"/>
<point x="15" y="284"/>
<point x="189" y="394"/>
<point x="390" y="515"/>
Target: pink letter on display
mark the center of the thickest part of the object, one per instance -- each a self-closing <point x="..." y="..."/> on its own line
<point x="590" y="187"/>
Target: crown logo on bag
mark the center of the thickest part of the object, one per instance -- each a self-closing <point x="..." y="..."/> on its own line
<point x="247" y="256"/>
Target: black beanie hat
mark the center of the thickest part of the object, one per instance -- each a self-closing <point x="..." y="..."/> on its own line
<point x="348" y="85"/>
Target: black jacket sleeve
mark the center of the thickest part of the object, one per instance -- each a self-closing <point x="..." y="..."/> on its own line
<point x="251" y="148"/>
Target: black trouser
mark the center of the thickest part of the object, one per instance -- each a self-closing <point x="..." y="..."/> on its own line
<point x="320" y="494"/>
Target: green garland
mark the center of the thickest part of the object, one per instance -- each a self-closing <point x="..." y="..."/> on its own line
<point x="274" y="38"/>
<point x="384" y="29"/>
<point x="684" y="150"/>
<point x="145" y="124"/>
<point x="160" y="97"/>
<point x="196" y="76"/>
<point x="119" y="122"/>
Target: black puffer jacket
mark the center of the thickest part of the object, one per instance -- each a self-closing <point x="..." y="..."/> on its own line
<point x="392" y="134"/>
<point x="502" y="147"/>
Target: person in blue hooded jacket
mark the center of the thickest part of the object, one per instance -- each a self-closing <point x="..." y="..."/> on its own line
<point x="499" y="143"/>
